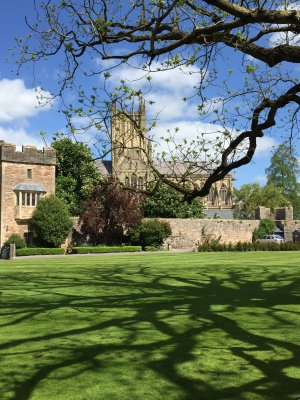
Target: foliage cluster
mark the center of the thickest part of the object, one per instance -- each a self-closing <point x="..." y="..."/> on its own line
<point x="76" y="172"/>
<point x="17" y="240"/>
<point x="284" y="173"/>
<point x="149" y="233"/>
<point x="166" y="202"/>
<point x="39" y="251"/>
<point x="252" y="195"/>
<point x="109" y="212"/>
<point x="105" y="249"/>
<point x="266" y="227"/>
<point x="51" y="222"/>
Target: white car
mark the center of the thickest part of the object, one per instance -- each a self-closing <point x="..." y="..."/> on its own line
<point x="270" y="239"/>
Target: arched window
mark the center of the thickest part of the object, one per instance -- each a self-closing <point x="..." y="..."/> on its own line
<point x="133" y="181"/>
<point x="127" y="183"/>
<point x="223" y="194"/>
<point x="210" y="196"/>
<point x="140" y="183"/>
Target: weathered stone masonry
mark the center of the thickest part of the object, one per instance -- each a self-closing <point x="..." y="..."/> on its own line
<point x="25" y="176"/>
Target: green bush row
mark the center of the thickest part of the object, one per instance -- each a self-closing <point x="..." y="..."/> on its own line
<point x="246" y="246"/>
<point x="39" y="251"/>
<point x="105" y="249"/>
<point x="151" y="248"/>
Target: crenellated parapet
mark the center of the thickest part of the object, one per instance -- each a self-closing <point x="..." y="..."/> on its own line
<point x="28" y="155"/>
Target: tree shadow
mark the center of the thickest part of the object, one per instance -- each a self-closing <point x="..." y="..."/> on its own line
<point x="202" y="335"/>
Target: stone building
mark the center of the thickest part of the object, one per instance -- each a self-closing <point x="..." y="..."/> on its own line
<point x="131" y="152"/>
<point x="25" y="176"/>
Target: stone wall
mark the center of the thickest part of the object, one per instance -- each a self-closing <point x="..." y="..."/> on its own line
<point x="187" y="232"/>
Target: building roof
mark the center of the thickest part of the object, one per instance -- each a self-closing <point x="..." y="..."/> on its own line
<point x="29" y="187"/>
<point x="104" y="166"/>
<point x="219" y="213"/>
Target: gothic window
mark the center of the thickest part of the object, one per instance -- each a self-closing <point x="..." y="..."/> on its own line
<point x="211" y="195"/>
<point x="223" y="194"/>
<point x="140" y="183"/>
<point x="133" y="181"/>
<point x="127" y="183"/>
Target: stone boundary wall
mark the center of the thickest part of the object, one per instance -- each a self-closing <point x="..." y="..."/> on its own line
<point x="187" y="232"/>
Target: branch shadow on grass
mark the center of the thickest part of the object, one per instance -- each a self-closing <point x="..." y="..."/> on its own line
<point x="201" y="336"/>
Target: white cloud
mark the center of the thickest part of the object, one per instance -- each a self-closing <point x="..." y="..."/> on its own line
<point x="19" y="136"/>
<point x="168" y="88"/>
<point x="265" y="145"/>
<point x="17" y="102"/>
<point x="261" y="179"/>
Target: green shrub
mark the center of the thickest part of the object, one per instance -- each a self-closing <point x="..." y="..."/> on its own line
<point x="17" y="240"/>
<point x="37" y="251"/>
<point x="149" y="233"/>
<point x="151" y="248"/>
<point x="51" y="222"/>
<point x="105" y="249"/>
<point x="266" y="227"/>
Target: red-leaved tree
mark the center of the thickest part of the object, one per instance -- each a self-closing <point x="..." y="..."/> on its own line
<point x="109" y="212"/>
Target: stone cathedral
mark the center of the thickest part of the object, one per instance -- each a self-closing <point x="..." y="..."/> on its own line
<point x="131" y="152"/>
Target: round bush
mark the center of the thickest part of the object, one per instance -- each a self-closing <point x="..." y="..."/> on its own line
<point x="51" y="222"/>
<point x="149" y="233"/>
<point x="17" y="240"/>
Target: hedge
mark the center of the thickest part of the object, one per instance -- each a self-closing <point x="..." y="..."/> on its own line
<point x="39" y="251"/>
<point x="246" y="246"/>
<point x="151" y="248"/>
<point x="105" y="249"/>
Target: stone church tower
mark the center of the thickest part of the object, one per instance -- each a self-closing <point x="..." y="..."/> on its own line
<point x="130" y="147"/>
<point x="131" y="151"/>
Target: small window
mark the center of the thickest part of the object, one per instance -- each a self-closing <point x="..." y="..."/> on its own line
<point x="18" y="198"/>
<point x="133" y="181"/>
<point x="33" y="199"/>
<point x="29" y="174"/>
<point x="23" y="198"/>
<point x="126" y="181"/>
<point x="28" y="199"/>
<point x="140" y="183"/>
<point x="38" y="198"/>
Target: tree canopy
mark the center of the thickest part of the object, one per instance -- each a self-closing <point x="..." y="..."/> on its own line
<point x="76" y="172"/>
<point x="109" y="212"/>
<point x="166" y="202"/>
<point x="254" y="40"/>
<point x="284" y="173"/>
<point x="252" y="195"/>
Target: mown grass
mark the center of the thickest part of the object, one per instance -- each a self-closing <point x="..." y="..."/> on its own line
<point x="171" y="326"/>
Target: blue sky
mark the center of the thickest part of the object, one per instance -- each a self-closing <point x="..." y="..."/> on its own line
<point x="21" y="120"/>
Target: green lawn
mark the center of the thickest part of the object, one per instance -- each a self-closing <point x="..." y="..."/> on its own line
<point x="161" y="326"/>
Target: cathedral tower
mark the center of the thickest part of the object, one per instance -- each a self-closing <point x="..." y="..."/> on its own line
<point x="129" y="145"/>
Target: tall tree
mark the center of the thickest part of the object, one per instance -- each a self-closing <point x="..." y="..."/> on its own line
<point x="210" y="36"/>
<point x="76" y="172"/>
<point x="252" y="195"/>
<point x="284" y="172"/>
